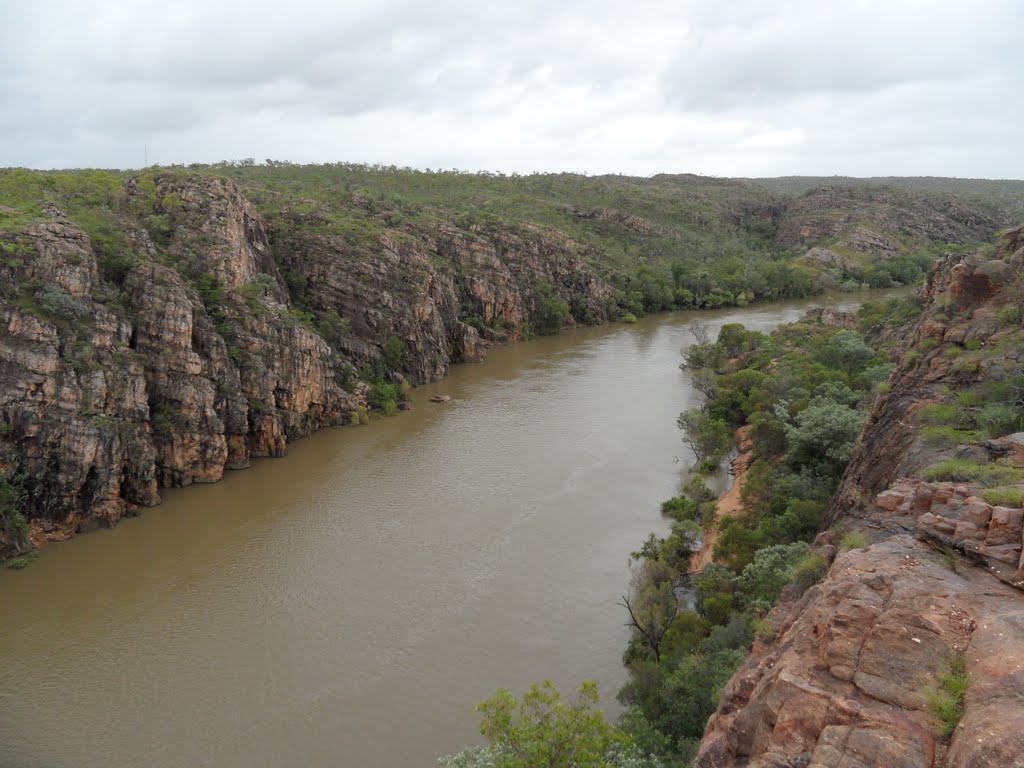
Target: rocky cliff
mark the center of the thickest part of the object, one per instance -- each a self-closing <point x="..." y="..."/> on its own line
<point x="932" y="582"/>
<point x="195" y="335"/>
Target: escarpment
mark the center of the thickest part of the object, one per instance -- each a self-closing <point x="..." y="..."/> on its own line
<point x="193" y="334"/>
<point x="931" y="587"/>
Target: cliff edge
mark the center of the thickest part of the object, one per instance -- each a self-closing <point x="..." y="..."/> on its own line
<point x="927" y="591"/>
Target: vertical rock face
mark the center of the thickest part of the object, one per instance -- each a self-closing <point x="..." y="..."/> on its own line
<point x="196" y="353"/>
<point x="422" y="290"/>
<point x="845" y="680"/>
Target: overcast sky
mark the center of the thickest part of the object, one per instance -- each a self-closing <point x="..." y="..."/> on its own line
<point x="762" y="88"/>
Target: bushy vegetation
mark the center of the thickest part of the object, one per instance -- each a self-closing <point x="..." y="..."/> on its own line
<point x="541" y="731"/>
<point x="802" y="393"/>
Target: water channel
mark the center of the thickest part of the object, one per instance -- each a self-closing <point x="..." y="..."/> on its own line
<point x="349" y="604"/>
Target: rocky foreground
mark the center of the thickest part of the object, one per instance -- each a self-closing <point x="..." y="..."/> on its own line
<point x="934" y="580"/>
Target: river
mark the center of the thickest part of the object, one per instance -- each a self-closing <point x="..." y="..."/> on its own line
<point x="350" y="604"/>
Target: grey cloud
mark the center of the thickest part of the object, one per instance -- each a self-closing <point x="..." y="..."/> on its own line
<point x="810" y="48"/>
<point x="585" y="84"/>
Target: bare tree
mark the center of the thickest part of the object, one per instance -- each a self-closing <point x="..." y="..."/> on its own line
<point x="652" y="603"/>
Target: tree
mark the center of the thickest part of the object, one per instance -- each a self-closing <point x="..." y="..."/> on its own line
<point x="761" y="582"/>
<point x="543" y="732"/>
<point x="824" y="430"/>
<point x="703" y="353"/>
<point x="848" y="351"/>
<point x="709" y="438"/>
<point x="705" y="381"/>
<point x="652" y="603"/>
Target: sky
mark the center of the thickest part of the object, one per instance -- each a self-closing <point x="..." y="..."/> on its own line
<point x="715" y="87"/>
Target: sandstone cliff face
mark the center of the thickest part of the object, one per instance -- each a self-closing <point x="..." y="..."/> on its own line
<point x="423" y="289"/>
<point x="195" y="357"/>
<point x="844" y="681"/>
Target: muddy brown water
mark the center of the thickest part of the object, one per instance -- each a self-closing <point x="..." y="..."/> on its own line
<point x="350" y="604"/>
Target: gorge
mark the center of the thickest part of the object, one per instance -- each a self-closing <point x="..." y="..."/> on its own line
<point x="391" y="574"/>
<point x="161" y="328"/>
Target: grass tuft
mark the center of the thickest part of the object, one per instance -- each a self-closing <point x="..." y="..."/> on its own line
<point x="854" y="540"/>
<point x="1005" y="496"/>
<point x="964" y="471"/>
<point x="946" y="700"/>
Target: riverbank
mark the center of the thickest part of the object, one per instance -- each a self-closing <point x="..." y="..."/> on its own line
<point x="730" y="502"/>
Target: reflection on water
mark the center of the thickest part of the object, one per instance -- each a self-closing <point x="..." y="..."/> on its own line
<point x="351" y="603"/>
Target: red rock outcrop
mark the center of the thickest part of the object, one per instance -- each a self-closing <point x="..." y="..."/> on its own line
<point x="843" y="683"/>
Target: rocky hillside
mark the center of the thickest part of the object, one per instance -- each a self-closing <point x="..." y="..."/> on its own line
<point x="162" y="327"/>
<point x="908" y="653"/>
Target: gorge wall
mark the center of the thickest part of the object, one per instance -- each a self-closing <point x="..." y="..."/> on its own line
<point x="845" y="680"/>
<point x="187" y="354"/>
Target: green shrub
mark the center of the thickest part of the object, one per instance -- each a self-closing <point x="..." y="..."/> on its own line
<point x="760" y="583"/>
<point x="383" y="397"/>
<point x="333" y="327"/>
<point x="973" y="344"/>
<point x="825" y="431"/>
<point x="965" y="365"/>
<point x="964" y="471"/>
<point x="629" y="317"/>
<point x="23" y="560"/>
<point x="998" y="420"/>
<point x="551" y="315"/>
<point x="1005" y="496"/>
<point x="1009" y="315"/>
<point x="16" y="529"/>
<point x="877" y="374"/>
<point x="969" y="398"/>
<point x="809" y="571"/>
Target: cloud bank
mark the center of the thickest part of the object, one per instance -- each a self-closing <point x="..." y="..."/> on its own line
<point x="741" y="88"/>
